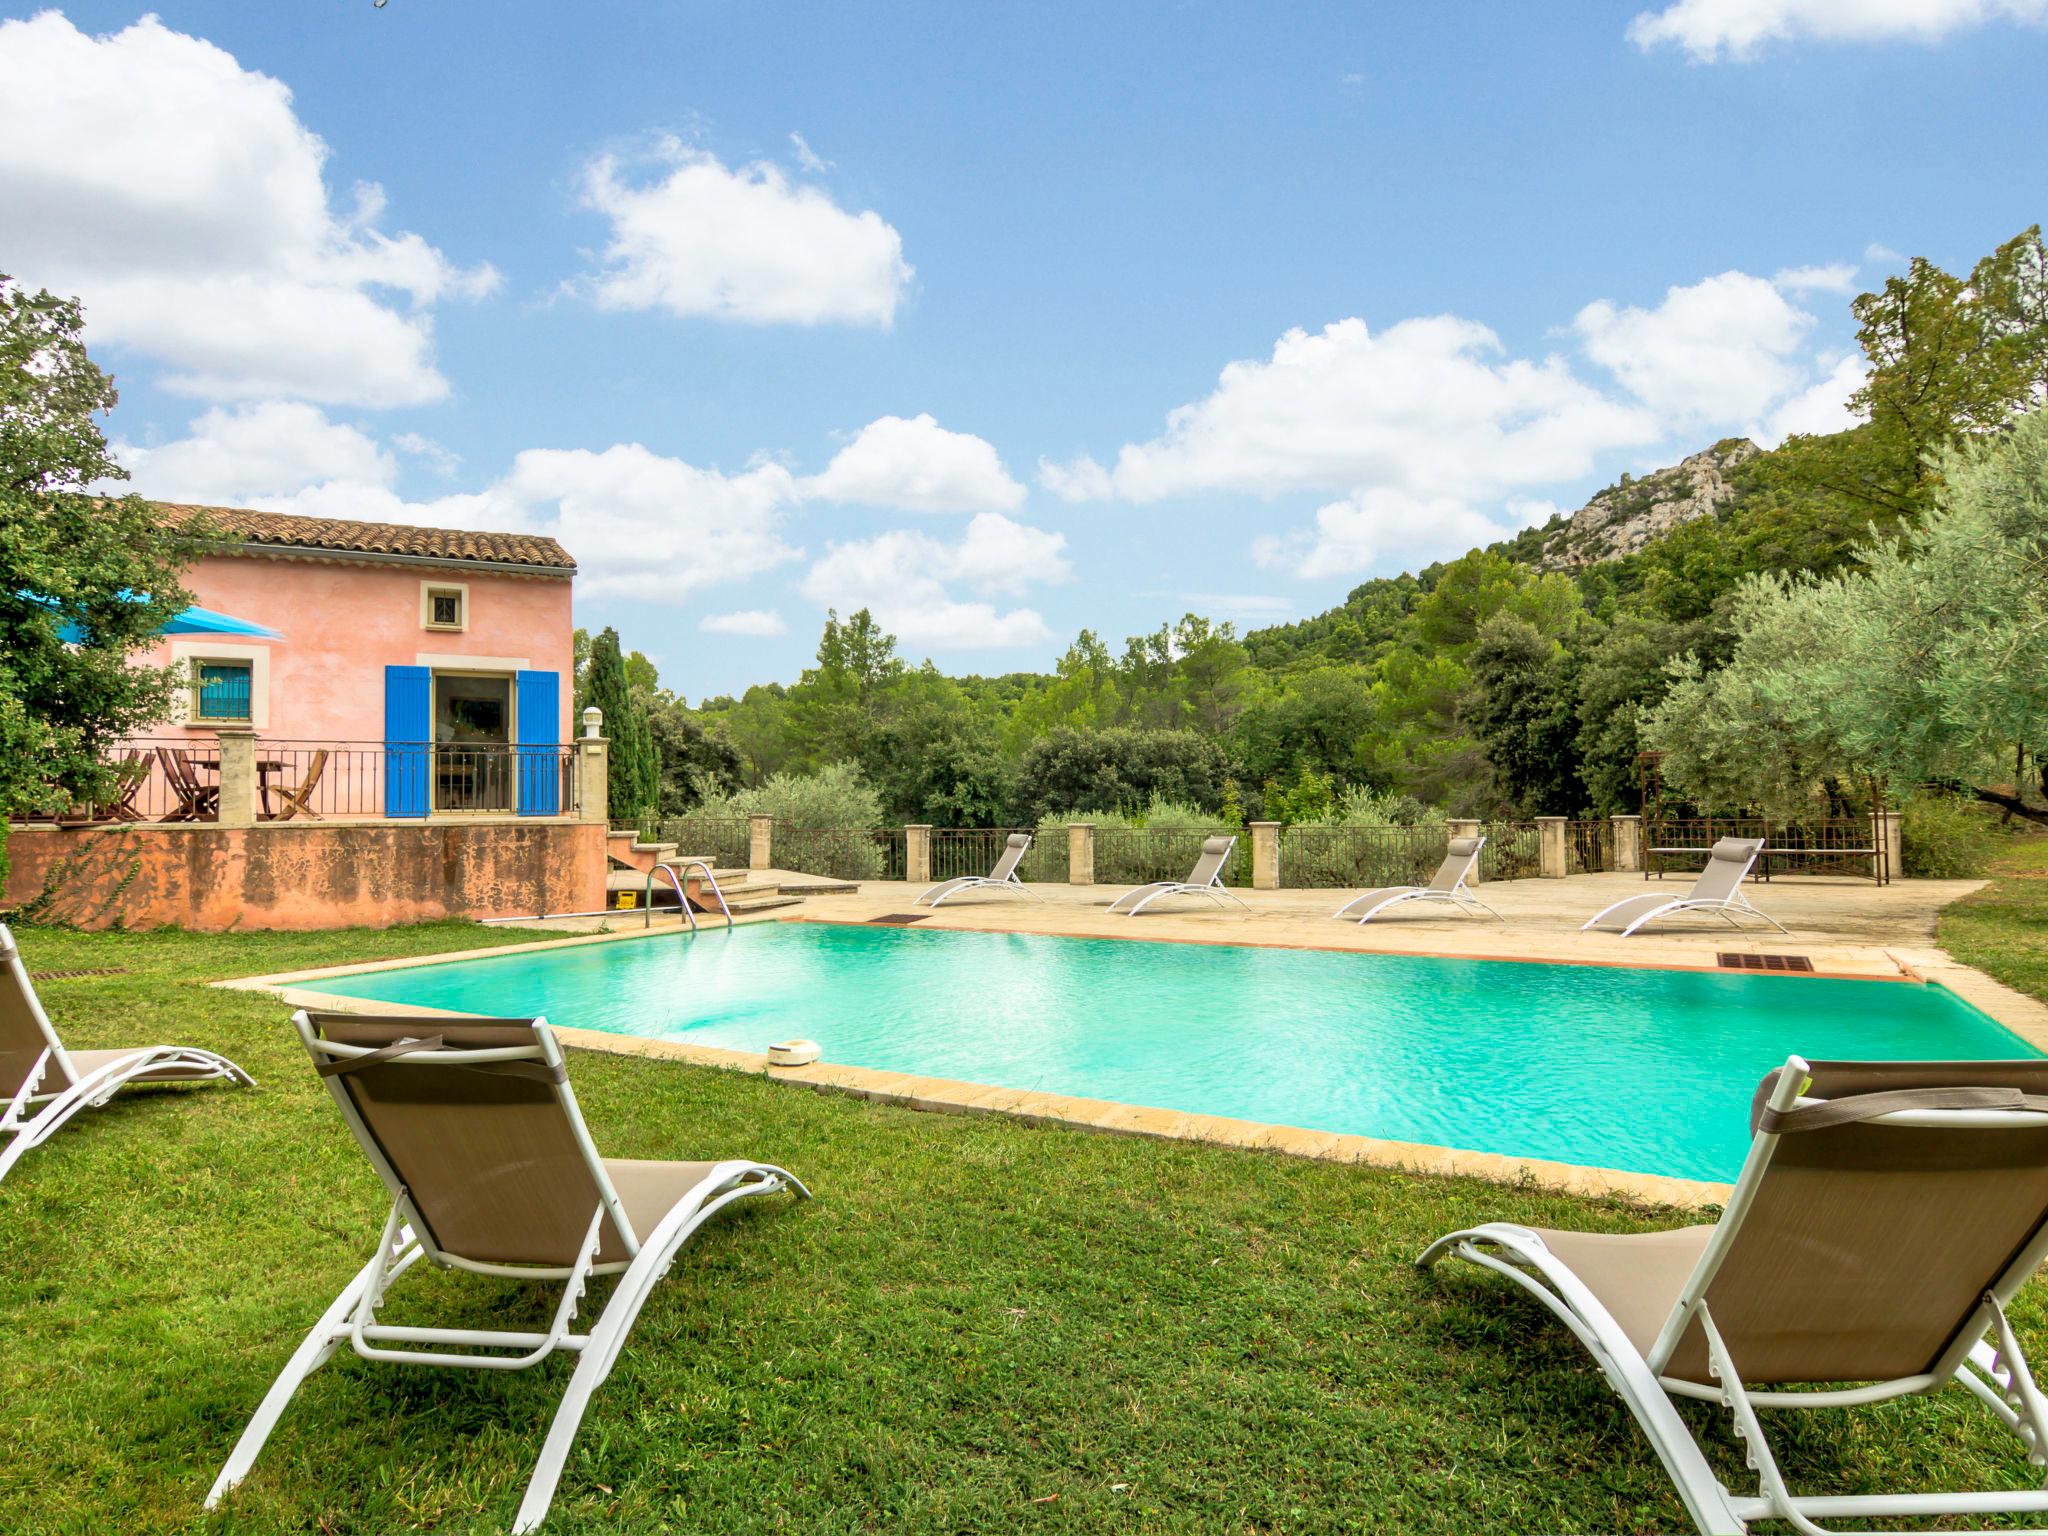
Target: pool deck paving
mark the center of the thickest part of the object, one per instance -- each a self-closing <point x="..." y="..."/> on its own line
<point x="1846" y="929"/>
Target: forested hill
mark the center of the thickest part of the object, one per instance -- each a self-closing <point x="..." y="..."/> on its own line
<point x="1621" y="521"/>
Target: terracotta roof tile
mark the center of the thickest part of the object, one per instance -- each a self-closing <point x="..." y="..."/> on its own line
<point x="285" y="530"/>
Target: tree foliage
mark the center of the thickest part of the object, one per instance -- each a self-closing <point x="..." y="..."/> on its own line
<point x="1930" y="663"/>
<point x="96" y="566"/>
<point x="633" y="784"/>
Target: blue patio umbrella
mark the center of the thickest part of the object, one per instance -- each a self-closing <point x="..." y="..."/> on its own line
<point x="192" y="621"/>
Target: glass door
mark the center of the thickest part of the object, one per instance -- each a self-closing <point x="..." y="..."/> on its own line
<point x="473" y="769"/>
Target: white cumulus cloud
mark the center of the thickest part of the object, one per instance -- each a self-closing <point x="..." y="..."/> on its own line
<point x="1365" y="529"/>
<point x="1831" y="277"/>
<point x="1821" y="407"/>
<point x="236" y="456"/>
<point x="915" y="465"/>
<point x="904" y="577"/>
<point x="1715" y="354"/>
<point x="745" y="243"/>
<point x="179" y="196"/>
<point x="1736" y="29"/>
<point x="640" y="524"/>
<point x="1428" y="406"/>
<point x="759" y="622"/>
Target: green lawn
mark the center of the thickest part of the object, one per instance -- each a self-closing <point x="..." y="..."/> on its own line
<point x="976" y="1327"/>
<point x="2003" y="929"/>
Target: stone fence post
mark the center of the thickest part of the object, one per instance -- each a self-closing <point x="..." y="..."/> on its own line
<point x="1265" y="855"/>
<point x="1553" y="861"/>
<point x="1887" y="837"/>
<point x="1080" y="853"/>
<point x="1466" y="827"/>
<point x="237" y="806"/>
<point x="760" y="842"/>
<point x="1628" y="844"/>
<point x="917" y="853"/>
<point x="594" y="769"/>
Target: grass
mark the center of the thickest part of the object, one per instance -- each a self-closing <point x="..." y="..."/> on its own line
<point x="2003" y="929"/>
<point x="977" y="1326"/>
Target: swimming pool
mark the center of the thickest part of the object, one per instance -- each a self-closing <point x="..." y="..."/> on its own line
<point x="1647" y="1071"/>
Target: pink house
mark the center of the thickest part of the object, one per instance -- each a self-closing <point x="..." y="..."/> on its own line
<point x="428" y="667"/>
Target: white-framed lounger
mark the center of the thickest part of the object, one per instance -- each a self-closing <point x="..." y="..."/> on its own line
<point x="1447" y="886"/>
<point x="47" y="1086"/>
<point x="1770" y="1295"/>
<point x="1001" y="878"/>
<point x="1205" y="879"/>
<point x="448" y="1195"/>
<point x="1718" y="891"/>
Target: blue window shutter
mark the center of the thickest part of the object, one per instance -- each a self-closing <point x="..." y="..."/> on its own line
<point x="540" y="746"/>
<point x="408" y="739"/>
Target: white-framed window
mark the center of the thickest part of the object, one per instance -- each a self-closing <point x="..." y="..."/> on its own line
<point x="444" y="606"/>
<point x="225" y="684"/>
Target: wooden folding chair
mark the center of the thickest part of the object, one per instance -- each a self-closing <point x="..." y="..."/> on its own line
<point x="197" y="801"/>
<point x="293" y="798"/>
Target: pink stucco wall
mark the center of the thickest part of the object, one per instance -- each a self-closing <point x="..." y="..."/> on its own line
<point x="343" y="624"/>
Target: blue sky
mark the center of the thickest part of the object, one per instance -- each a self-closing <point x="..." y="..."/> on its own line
<point x="985" y="316"/>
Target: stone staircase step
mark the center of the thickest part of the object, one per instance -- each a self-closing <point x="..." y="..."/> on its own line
<point x="760" y="904"/>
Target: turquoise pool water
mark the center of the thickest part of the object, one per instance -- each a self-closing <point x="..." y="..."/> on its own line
<point x="1644" y="1070"/>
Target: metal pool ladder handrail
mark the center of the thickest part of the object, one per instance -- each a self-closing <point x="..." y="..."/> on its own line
<point x="683" y="900"/>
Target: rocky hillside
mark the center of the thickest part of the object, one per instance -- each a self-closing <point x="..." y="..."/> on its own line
<point x="1624" y="517"/>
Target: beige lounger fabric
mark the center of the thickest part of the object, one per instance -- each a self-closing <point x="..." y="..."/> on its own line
<point x="1214" y="851"/>
<point x="488" y="1159"/>
<point x="1636" y="1275"/>
<point x="649" y="1191"/>
<point x="21" y="1041"/>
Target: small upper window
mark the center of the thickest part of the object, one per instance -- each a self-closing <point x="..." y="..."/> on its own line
<point x="444" y="608"/>
<point x="221" y="691"/>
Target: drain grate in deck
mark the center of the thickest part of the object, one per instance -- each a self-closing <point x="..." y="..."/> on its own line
<point x="898" y="919"/>
<point x="1734" y="962"/>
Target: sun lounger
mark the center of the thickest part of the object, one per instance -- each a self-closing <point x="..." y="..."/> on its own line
<point x="475" y="1131"/>
<point x="45" y="1085"/>
<point x="1718" y="890"/>
<point x="1003" y="877"/>
<point x="1205" y="879"/>
<point x="1886" y="1215"/>
<point x="1446" y="887"/>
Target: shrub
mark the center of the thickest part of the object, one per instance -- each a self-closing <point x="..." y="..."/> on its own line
<point x="824" y="821"/>
<point x="1943" y="837"/>
<point x="1161" y="842"/>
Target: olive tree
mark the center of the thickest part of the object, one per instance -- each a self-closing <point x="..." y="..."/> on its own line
<point x="1929" y="663"/>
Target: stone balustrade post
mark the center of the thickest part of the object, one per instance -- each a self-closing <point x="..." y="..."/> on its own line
<point x="594" y="770"/>
<point x="917" y="853"/>
<point x="760" y="842"/>
<point x="1080" y="853"/>
<point x="1467" y="827"/>
<point x="1886" y="836"/>
<point x="1553" y="861"/>
<point x="1265" y="855"/>
<point x="237" y="807"/>
<point x="1628" y="844"/>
